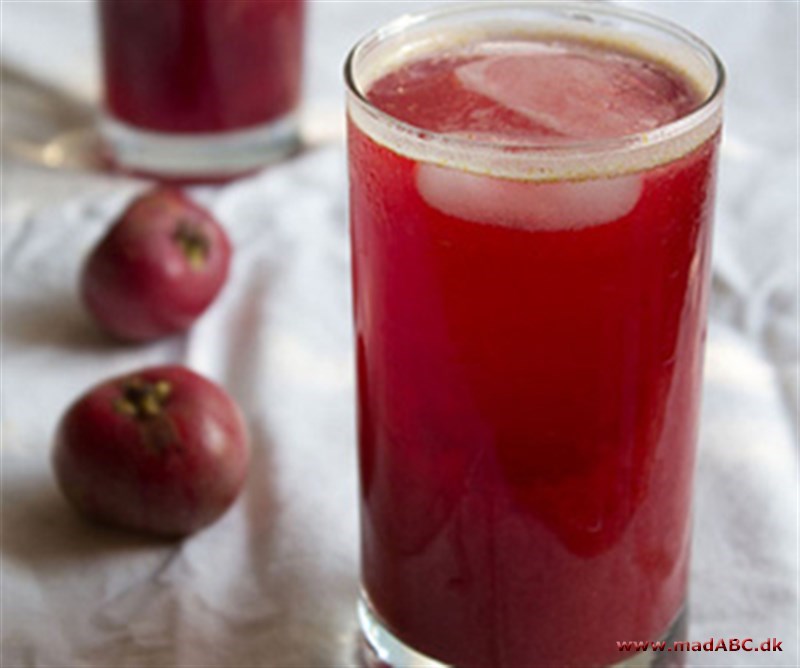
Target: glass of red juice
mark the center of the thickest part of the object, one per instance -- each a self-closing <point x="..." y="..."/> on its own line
<point x="200" y="88"/>
<point x="531" y="195"/>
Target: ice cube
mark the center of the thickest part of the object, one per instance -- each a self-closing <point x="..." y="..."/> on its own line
<point x="537" y="206"/>
<point x="576" y="95"/>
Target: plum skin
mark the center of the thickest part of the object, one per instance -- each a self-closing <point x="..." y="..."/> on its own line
<point x="168" y="457"/>
<point x="157" y="269"/>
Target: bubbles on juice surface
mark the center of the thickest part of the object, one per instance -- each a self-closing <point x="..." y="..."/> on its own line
<point x="531" y="205"/>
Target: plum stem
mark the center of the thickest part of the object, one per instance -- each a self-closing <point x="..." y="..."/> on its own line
<point x="194" y="244"/>
<point x="142" y="399"/>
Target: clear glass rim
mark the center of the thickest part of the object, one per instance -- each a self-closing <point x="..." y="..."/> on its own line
<point x="593" y="146"/>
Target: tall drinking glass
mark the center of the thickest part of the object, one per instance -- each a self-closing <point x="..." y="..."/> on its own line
<point x="531" y="194"/>
<point x="200" y="89"/>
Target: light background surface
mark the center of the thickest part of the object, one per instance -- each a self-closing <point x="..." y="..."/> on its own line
<point x="274" y="583"/>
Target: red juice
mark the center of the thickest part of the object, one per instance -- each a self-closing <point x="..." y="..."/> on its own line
<point x="529" y="351"/>
<point x="201" y="66"/>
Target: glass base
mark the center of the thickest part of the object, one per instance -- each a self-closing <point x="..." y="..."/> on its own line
<point x="380" y="648"/>
<point x="211" y="156"/>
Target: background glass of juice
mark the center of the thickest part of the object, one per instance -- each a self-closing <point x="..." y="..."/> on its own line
<point x="531" y="192"/>
<point x="200" y="88"/>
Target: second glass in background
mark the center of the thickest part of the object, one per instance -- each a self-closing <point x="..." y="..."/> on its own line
<point x="200" y="89"/>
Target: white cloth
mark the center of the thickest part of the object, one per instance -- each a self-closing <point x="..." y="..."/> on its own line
<point x="273" y="584"/>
